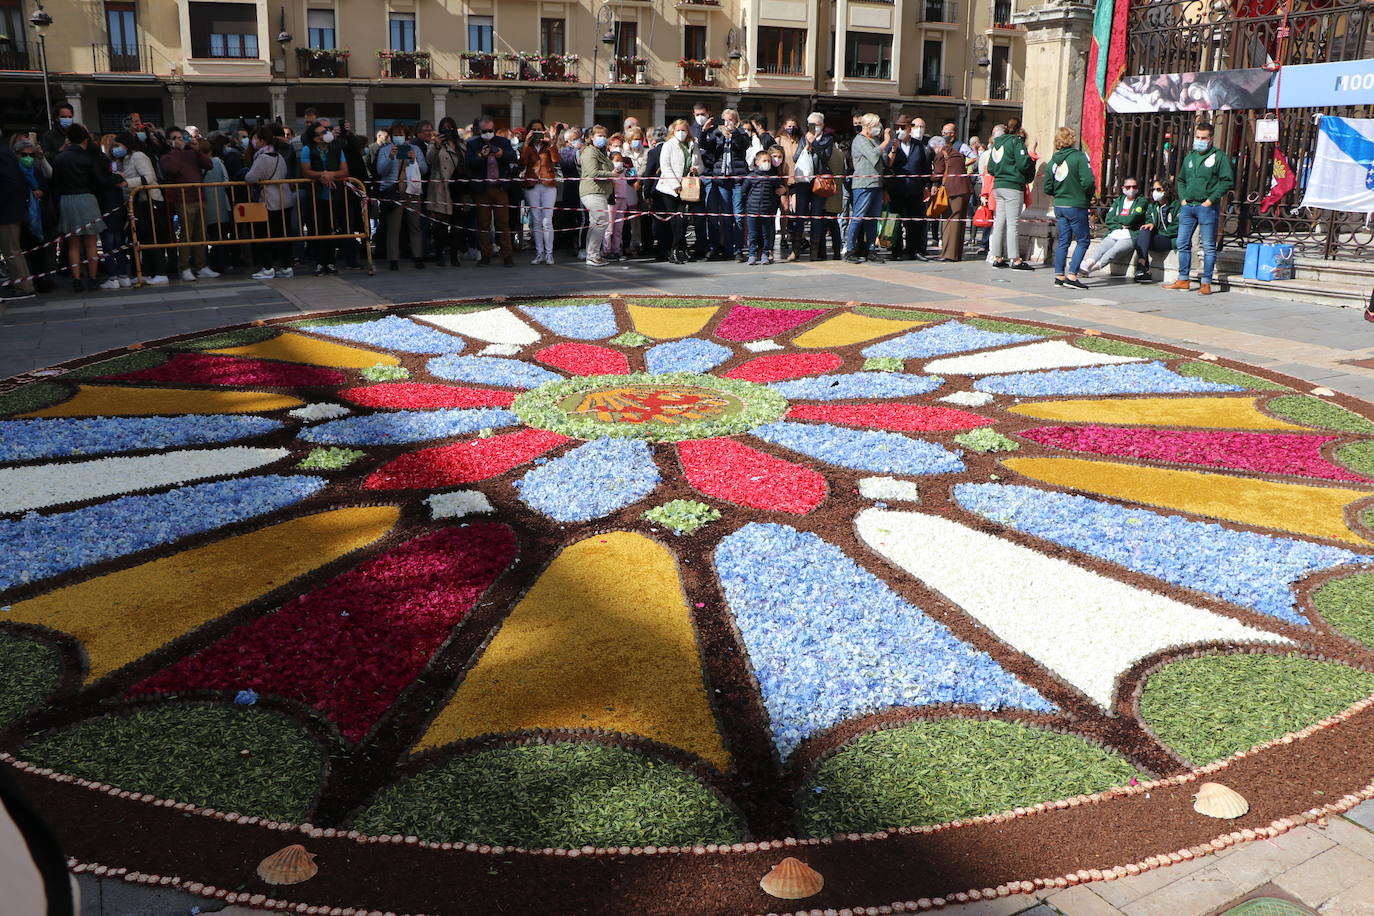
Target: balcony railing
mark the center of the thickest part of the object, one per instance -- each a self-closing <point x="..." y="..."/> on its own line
<point x="939" y="11"/>
<point x="934" y="85"/>
<point x="17" y="58"/>
<point x="629" y="70"/>
<point x="1001" y="15"/>
<point x="1008" y="91"/>
<point x="699" y="72"/>
<point x="857" y="70"/>
<point x="119" y="58"/>
<point x="323" y="63"/>
<point x="404" y="64"/>
<point x="520" y="66"/>
<point x="781" y="68"/>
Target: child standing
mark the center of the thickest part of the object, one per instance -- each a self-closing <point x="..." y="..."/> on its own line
<point x="626" y="199"/>
<point x="762" y="190"/>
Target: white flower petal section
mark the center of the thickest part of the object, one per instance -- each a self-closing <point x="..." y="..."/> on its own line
<point x="499" y="350"/>
<point x="889" y="488"/>
<point x="312" y="412"/>
<point x="969" y="398"/>
<point x="43" y="485"/>
<point x="458" y="503"/>
<point x="496" y="325"/>
<point x="1084" y="627"/>
<point x="1049" y="354"/>
<point x="761" y="346"/>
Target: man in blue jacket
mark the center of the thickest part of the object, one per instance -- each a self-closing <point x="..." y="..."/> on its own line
<point x="490" y="159"/>
<point x="908" y="186"/>
<point x="725" y="159"/>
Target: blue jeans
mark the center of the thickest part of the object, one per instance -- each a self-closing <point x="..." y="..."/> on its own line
<point x="114" y="236"/>
<point x="761" y="235"/>
<point x="725" y="195"/>
<point x="866" y="202"/>
<point x="1190" y="217"/>
<point x="1072" y="226"/>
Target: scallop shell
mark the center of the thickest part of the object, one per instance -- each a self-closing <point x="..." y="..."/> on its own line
<point x="792" y="879"/>
<point x="1215" y="800"/>
<point x="291" y="865"/>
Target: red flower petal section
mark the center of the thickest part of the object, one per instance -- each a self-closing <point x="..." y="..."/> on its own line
<point x="211" y="369"/>
<point x="351" y="646"/>
<point x="736" y="473"/>
<point x="584" y="359"/>
<point x="783" y="366"/>
<point x="1269" y="453"/>
<point x="424" y="396"/>
<point x="463" y="462"/>
<point x="896" y="417"/>
<point x="745" y="322"/>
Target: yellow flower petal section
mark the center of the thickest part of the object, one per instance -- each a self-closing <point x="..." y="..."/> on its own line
<point x="297" y="348"/>
<point x="664" y="323"/>
<point x="1314" y="511"/>
<point x="848" y="328"/>
<point x="603" y="640"/>
<point x="125" y="615"/>
<point x="120" y="401"/>
<point x="1212" y="413"/>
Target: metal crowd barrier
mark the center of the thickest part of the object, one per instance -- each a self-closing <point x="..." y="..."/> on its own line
<point x="248" y="220"/>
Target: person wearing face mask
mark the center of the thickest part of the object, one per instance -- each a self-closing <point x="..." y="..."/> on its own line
<point x="1159" y="232"/>
<point x="185" y="164"/>
<point x="678" y="158"/>
<point x="637" y="159"/>
<point x="596" y="189"/>
<point x="793" y="230"/>
<point x="322" y="161"/>
<point x="150" y="213"/>
<point x="79" y="177"/>
<point x="1069" y="180"/>
<point x="701" y="122"/>
<point x="489" y="159"/>
<point x="1124" y="217"/>
<point x="621" y="213"/>
<point x="813" y="156"/>
<point x="1012" y="170"/>
<point x="1204" y="180"/>
<point x="541" y="169"/>
<point x="56" y="136"/>
<point x="447" y="159"/>
<point x="763" y="190"/>
<point x="909" y="163"/>
<point x="724" y="158"/>
<point x="270" y="154"/>
<point x="951" y="172"/>
<point x="868" y="152"/>
<point x="570" y="221"/>
<point x="15" y="201"/>
<point x="401" y="169"/>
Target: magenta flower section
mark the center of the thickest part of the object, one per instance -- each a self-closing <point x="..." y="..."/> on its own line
<point x="348" y="648"/>
<point x="736" y="473"/>
<point x="209" y="369"/>
<point x="783" y="366"/>
<point x="584" y="359"/>
<point x="463" y="462"/>
<point x="422" y="396"/>
<point x="1266" y="453"/>
<point x="745" y="322"/>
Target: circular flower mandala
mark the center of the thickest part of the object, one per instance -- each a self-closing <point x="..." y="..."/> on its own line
<point x="675" y="574"/>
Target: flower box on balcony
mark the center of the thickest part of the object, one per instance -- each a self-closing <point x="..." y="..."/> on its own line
<point x="404" y="64"/>
<point x="698" y="72"/>
<point x="323" y="63"/>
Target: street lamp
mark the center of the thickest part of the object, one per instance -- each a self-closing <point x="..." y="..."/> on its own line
<point x="605" y="27"/>
<point x="284" y="38"/>
<point x="40" y="20"/>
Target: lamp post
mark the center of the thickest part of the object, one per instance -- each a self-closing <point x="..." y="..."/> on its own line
<point x="40" y="20"/>
<point x="605" y="27"/>
<point x="284" y="38"/>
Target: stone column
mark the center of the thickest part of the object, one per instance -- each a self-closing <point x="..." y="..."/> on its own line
<point x="278" y="92"/>
<point x="72" y="93"/>
<point x="1058" y="35"/>
<point x="177" y="90"/>
<point x="440" y="94"/>
<point x="660" y="115"/>
<point x="841" y="27"/>
<point x="517" y="108"/>
<point x="588" y="108"/>
<point x="361" y="125"/>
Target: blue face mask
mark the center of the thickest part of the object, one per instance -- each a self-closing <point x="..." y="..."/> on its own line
<point x="141" y="135"/>
<point x="65" y="122"/>
<point x="599" y="141"/>
<point x="118" y="152"/>
<point x="1201" y="145"/>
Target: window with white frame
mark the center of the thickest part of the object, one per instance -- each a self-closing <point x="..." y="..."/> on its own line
<point x="319" y="27"/>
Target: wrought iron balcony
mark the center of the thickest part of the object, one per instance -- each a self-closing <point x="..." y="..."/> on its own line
<point x="939" y="11"/>
<point x="520" y="66"/>
<point x="1010" y="91"/>
<point x="17" y="58"/>
<point x="121" y="58"/>
<point x="935" y="85"/>
<point x="323" y="63"/>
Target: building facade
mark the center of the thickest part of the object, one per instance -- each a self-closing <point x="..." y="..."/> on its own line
<point x="217" y="63"/>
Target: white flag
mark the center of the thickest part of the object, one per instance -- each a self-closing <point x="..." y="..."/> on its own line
<point x="1342" y="176"/>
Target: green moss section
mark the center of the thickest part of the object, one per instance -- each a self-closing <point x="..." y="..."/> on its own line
<point x="937" y="770"/>
<point x="1310" y="411"/>
<point x="984" y="439"/>
<point x="240" y="338"/>
<point x="192" y="754"/>
<point x="1348" y="605"/>
<point x="1011" y="327"/>
<point x="560" y="795"/>
<point x="784" y="304"/>
<point x="1210" y="707"/>
<point x="900" y="314"/>
<point x="884" y="364"/>
<point x="630" y="339"/>
<point x="31" y="671"/>
<point x="450" y="309"/>
<point x="663" y="303"/>
<point x="683" y="515"/>
<point x="1211" y="372"/>
<point x="1358" y="456"/>
<point x="571" y="300"/>
<point x="384" y="373"/>
<point x="128" y="362"/>
<point x="329" y="459"/>
<point x="1120" y="348"/>
<point x="334" y="321"/>
<point x="34" y="396"/>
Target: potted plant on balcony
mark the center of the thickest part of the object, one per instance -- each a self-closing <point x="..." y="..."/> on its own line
<point x="558" y="68"/>
<point x="323" y="62"/>
<point x="481" y="64"/>
<point x="631" y="69"/>
<point x="698" y="72"/>
<point x="404" y="64"/>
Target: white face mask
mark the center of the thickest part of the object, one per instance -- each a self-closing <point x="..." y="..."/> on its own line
<point x="875" y="131"/>
<point x="619" y="166"/>
<point x="1130" y="193"/>
<point x="487" y="135"/>
<point x="327" y="136"/>
<point x="701" y="119"/>
<point x="615" y="149"/>
<point x="681" y="136"/>
<point x="1157" y="195"/>
<point x="765" y="166"/>
<point x="918" y="132"/>
<point x="901" y="133"/>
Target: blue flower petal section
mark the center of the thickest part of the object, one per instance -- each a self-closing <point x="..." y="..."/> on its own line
<point x="950" y="337"/>
<point x="491" y="370"/>
<point x="862" y="450"/>
<point x="858" y="385"/>
<point x="407" y="426"/>
<point x="580" y="322"/>
<point x="829" y="641"/>
<point x="1133" y="378"/>
<point x="1256" y="571"/>
<point x="393" y="333"/>
<point x="687" y="355"/>
<point x="37" y="546"/>
<point x="60" y="437"/>
<point x="592" y="480"/>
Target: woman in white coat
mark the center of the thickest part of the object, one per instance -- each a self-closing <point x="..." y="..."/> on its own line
<point x="679" y="159"/>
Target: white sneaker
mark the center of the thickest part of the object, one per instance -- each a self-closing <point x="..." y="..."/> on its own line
<point x="597" y="262"/>
<point x="538" y="259"/>
<point x="124" y="282"/>
<point x="582" y="254"/>
<point x="473" y="254"/>
<point x="266" y="273"/>
<point x="111" y="283"/>
<point x="206" y="273"/>
<point x="188" y="275"/>
<point x="159" y="280"/>
<point x="285" y="273"/>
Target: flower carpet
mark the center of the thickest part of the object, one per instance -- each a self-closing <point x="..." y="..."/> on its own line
<point x="606" y="605"/>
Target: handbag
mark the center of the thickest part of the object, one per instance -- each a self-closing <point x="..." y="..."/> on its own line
<point x="982" y="217"/>
<point x="939" y="203"/>
<point x="825" y="186"/>
<point x="690" y="191"/>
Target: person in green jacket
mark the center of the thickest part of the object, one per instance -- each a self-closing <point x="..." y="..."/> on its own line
<point x="1204" y="180"/>
<point x="1159" y="232"/>
<point x="1069" y="180"/>
<point x="1012" y="168"/>
<point x="1124" y="217"/>
<point x="596" y="189"/>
